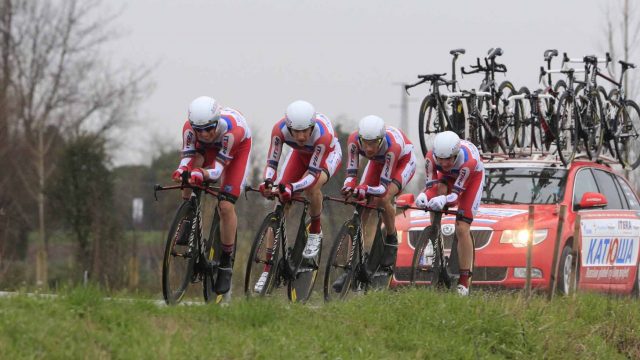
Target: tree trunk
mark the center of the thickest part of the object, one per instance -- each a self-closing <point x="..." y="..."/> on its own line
<point x="41" y="265"/>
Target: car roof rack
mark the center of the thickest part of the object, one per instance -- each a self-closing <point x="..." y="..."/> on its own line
<point x="544" y="157"/>
<point x="537" y="156"/>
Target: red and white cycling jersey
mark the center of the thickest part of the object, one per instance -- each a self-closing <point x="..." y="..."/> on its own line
<point x="394" y="161"/>
<point x="466" y="178"/>
<point x="228" y="151"/>
<point x="320" y="153"/>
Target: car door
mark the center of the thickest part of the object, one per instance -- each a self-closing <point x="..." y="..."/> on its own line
<point x="609" y="251"/>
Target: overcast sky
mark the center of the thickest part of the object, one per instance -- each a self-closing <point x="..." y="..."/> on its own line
<point x="342" y="56"/>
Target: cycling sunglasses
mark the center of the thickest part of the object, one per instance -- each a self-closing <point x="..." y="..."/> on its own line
<point x="361" y="140"/>
<point x="205" y="128"/>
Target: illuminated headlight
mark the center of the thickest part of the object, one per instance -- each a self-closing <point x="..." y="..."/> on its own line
<point x="518" y="238"/>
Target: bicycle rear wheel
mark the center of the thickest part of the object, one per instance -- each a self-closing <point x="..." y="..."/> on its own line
<point x="213" y="250"/>
<point x="628" y="138"/>
<point x="301" y="286"/>
<point x="178" y="262"/>
<point x="259" y="259"/>
<point x="380" y="276"/>
<point x="430" y="122"/>
<point x="339" y="274"/>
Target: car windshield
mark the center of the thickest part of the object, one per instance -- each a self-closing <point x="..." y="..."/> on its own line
<point x="523" y="185"/>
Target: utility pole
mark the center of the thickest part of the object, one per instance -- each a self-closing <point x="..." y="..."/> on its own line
<point x="404" y="108"/>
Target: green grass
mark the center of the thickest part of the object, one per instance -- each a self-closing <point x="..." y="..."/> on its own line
<point x="409" y="324"/>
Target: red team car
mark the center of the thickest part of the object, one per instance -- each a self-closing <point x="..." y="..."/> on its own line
<point x="609" y="239"/>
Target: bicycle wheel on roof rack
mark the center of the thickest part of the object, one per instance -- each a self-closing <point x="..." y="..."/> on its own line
<point x="430" y="122"/>
<point x="508" y="121"/>
<point x="628" y="139"/>
<point x="592" y="124"/>
<point x="567" y="135"/>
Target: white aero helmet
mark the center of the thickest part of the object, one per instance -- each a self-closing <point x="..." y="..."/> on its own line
<point x="204" y="112"/>
<point x="300" y="115"/>
<point x="371" y="127"/>
<point x="446" y="144"/>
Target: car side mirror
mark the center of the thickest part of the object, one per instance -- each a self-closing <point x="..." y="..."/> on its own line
<point x="591" y="200"/>
<point x="405" y="200"/>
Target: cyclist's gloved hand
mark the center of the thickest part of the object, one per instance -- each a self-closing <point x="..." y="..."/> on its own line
<point x="349" y="185"/>
<point x="422" y="200"/>
<point x="177" y="175"/>
<point x="360" y="192"/>
<point x="285" y="193"/>
<point x="265" y="188"/>
<point x="437" y="203"/>
<point x="197" y="177"/>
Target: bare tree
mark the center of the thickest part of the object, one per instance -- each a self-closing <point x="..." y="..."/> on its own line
<point x="622" y="33"/>
<point x="62" y="89"/>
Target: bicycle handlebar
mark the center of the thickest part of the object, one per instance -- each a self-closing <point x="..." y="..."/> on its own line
<point x="495" y="67"/>
<point x="211" y="190"/>
<point x="409" y="207"/>
<point x="350" y="201"/>
<point x="299" y="199"/>
<point x="430" y="78"/>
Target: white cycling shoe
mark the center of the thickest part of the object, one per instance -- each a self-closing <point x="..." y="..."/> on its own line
<point x="462" y="290"/>
<point x="313" y="246"/>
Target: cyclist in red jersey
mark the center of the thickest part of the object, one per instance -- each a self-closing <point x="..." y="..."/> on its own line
<point x="391" y="165"/>
<point x="455" y="176"/>
<point x="314" y="158"/>
<point x="216" y="144"/>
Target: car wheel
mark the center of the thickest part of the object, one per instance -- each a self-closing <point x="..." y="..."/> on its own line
<point x="564" y="275"/>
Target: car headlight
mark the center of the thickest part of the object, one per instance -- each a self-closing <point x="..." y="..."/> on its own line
<point x="519" y="238"/>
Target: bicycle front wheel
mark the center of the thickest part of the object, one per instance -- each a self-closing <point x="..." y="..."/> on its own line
<point x="428" y="265"/>
<point x="262" y="264"/>
<point x="628" y="138"/>
<point x="179" y="259"/>
<point x="430" y="122"/>
<point x="339" y="274"/>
